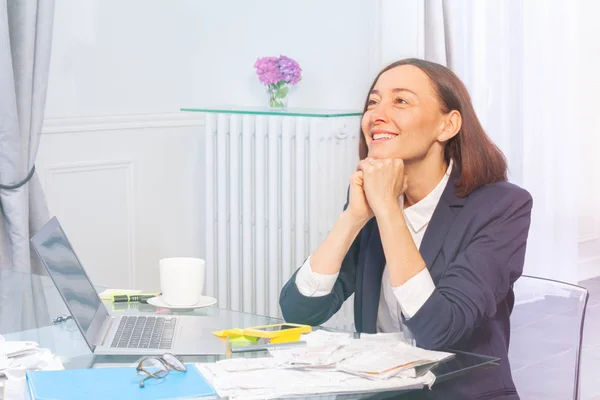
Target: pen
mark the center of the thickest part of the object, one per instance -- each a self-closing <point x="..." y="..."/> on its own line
<point x="127" y="298"/>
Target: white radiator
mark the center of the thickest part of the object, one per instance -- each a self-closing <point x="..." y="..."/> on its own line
<point x="274" y="187"/>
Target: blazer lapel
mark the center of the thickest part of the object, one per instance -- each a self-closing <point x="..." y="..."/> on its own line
<point x="374" y="263"/>
<point x="441" y="221"/>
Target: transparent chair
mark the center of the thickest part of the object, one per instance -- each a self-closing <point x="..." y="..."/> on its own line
<point x="546" y="338"/>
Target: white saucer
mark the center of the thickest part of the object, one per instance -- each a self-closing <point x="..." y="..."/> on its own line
<point x="205" y="301"/>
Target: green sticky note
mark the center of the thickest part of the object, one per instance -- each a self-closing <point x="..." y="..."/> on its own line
<point x="243" y="339"/>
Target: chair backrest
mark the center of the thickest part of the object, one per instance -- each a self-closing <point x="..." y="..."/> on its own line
<point x="546" y="337"/>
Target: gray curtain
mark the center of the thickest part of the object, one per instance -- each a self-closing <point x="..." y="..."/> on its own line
<point x="25" y="44"/>
<point x="447" y="35"/>
<point x="436" y="35"/>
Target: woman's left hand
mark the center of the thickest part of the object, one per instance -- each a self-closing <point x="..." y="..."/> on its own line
<point x="384" y="182"/>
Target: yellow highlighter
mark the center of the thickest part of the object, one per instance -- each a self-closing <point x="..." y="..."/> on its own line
<point x="127" y="298"/>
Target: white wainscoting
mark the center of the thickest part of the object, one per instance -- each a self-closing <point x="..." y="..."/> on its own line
<point x="108" y="186"/>
<point x="127" y="190"/>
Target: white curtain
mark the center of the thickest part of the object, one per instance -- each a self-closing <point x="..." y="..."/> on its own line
<point x="25" y="44"/>
<point x="520" y="62"/>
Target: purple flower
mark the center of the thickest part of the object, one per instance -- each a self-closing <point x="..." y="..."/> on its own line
<point x="271" y="70"/>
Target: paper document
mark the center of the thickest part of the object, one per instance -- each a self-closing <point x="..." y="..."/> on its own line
<point x="373" y="357"/>
<point x="16" y="357"/>
<point x="323" y="349"/>
<point x="248" y="364"/>
<point x="329" y="363"/>
<point x="322" y="337"/>
<point x="276" y="383"/>
<point x="13" y="349"/>
<point x="381" y="360"/>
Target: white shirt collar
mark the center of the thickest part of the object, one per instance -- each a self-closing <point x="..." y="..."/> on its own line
<point x="419" y="214"/>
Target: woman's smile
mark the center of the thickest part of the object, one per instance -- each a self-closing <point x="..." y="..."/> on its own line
<point x="381" y="135"/>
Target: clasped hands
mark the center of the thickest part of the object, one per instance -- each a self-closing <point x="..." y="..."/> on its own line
<point x="375" y="188"/>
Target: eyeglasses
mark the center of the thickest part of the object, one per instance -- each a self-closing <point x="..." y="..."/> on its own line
<point x="159" y="367"/>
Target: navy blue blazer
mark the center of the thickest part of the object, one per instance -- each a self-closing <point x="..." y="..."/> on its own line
<point x="474" y="249"/>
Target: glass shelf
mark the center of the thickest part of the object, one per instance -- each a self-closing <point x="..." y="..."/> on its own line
<point x="293" y="112"/>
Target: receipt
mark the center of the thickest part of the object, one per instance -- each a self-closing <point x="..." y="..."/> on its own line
<point x="277" y="383"/>
<point x="17" y="357"/>
<point x="13" y="349"/>
<point x="247" y="364"/>
<point x="330" y="363"/>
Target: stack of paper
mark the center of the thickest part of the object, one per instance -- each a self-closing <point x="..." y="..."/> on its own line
<point x="16" y="357"/>
<point x="329" y="363"/>
<point x="323" y="349"/>
<point x="374" y="357"/>
<point x="270" y="383"/>
<point x="380" y="360"/>
<point x="25" y="356"/>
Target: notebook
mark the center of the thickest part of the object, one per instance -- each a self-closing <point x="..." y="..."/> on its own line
<point x="115" y="384"/>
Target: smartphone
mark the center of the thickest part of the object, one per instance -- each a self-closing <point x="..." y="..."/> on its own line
<point x="271" y="328"/>
<point x="278" y="330"/>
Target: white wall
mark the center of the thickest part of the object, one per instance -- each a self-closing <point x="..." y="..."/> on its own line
<point x="121" y="167"/>
<point x="141" y="56"/>
<point x="589" y="191"/>
<point x="400" y="31"/>
<point x="127" y="191"/>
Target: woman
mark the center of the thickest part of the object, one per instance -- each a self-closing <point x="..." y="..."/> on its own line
<point x="432" y="237"/>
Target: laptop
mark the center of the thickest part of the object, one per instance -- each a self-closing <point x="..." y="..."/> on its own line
<point x="126" y="334"/>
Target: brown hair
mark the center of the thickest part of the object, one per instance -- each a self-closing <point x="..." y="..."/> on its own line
<point x="478" y="159"/>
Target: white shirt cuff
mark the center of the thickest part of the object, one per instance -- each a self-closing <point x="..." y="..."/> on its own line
<point x="314" y="284"/>
<point x="414" y="293"/>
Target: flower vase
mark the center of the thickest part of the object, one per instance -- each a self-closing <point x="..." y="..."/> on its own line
<point x="278" y="95"/>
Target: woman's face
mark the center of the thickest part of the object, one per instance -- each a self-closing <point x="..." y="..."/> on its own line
<point x="403" y="118"/>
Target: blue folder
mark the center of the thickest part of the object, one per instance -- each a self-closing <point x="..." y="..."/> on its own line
<point x="115" y="383"/>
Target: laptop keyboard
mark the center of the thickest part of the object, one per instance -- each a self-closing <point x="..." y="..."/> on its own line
<point x="139" y="332"/>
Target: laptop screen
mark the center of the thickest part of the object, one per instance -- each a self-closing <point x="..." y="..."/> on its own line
<point x="65" y="269"/>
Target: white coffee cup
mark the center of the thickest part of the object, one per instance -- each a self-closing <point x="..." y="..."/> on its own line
<point x="181" y="280"/>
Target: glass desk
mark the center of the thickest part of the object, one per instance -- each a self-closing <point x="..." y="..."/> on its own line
<point x="65" y="340"/>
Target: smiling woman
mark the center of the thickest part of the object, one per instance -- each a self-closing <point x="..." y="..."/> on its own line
<point x="427" y="105"/>
<point x="432" y="237"/>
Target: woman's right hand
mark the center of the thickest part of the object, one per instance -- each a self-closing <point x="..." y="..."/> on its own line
<point x="358" y="206"/>
<point x="328" y="257"/>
